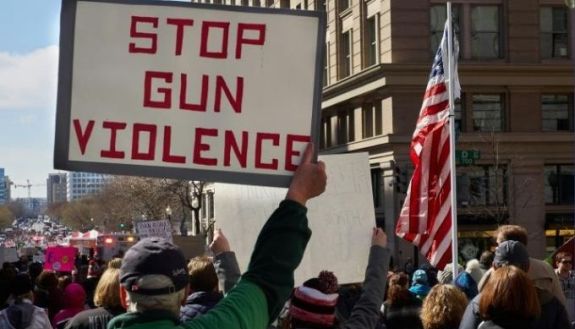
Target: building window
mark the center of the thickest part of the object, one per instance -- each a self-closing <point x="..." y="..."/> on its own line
<point x="325" y="137"/>
<point x="345" y="54"/>
<point x="486" y="39"/>
<point x="375" y="186"/>
<point x="371" y="40"/>
<point x="479" y="38"/>
<point x="488" y="112"/>
<point x="345" y="127"/>
<point x="554" y="37"/>
<point x="458" y="111"/>
<point x="555" y="112"/>
<point x="343" y="5"/>
<point x="437" y="20"/>
<point x="285" y="4"/>
<point x="481" y="186"/>
<point x="559" y="181"/>
<point x="371" y="120"/>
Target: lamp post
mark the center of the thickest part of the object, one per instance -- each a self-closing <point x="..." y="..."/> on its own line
<point x="169" y="213"/>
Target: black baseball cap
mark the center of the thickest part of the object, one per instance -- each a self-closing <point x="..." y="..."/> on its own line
<point x="512" y="253"/>
<point x="153" y="256"/>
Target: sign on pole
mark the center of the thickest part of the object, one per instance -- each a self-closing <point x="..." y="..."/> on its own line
<point x="185" y="90"/>
<point x="340" y="219"/>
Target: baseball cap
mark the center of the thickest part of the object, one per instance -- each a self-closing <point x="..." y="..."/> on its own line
<point x="153" y="256"/>
<point x="511" y="253"/>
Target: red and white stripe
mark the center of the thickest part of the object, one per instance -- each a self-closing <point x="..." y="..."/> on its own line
<point x="425" y="218"/>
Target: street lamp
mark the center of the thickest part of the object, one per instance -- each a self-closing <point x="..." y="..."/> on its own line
<point x="169" y="213"/>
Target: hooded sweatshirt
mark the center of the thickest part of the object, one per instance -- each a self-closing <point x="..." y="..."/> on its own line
<point x="75" y="298"/>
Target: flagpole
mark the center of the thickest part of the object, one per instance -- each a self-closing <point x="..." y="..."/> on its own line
<point x="453" y="174"/>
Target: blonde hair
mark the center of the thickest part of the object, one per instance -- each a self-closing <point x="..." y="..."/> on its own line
<point x="168" y="302"/>
<point x="443" y="307"/>
<point x="107" y="293"/>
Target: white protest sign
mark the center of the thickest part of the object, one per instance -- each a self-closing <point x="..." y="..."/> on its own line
<point x="155" y="229"/>
<point x="187" y="90"/>
<point x="9" y="255"/>
<point x="340" y="219"/>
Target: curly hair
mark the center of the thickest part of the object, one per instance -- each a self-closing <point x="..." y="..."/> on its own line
<point x="443" y="307"/>
<point x="397" y="293"/>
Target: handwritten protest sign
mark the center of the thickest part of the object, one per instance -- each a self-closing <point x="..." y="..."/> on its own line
<point x="155" y="228"/>
<point x="60" y="258"/>
<point x="186" y="90"/>
<point x="340" y="219"/>
<point x="8" y="255"/>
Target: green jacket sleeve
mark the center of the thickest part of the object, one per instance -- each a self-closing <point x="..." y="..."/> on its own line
<point x="278" y="252"/>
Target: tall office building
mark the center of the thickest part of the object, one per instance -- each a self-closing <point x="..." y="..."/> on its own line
<point x="56" y="188"/>
<point x="514" y="121"/>
<point x="4" y="187"/>
<point x="81" y="184"/>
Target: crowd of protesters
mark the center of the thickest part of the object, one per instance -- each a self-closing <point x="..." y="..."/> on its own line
<point x="153" y="286"/>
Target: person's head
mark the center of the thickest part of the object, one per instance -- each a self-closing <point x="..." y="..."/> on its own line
<point x="486" y="259"/>
<point x="473" y="268"/>
<point x="564" y="261"/>
<point x="313" y="304"/>
<point x="397" y="292"/>
<point x="511" y="232"/>
<point x="107" y="293"/>
<point x="511" y="252"/>
<point x="63" y="281"/>
<point x="75" y="295"/>
<point x="21" y="287"/>
<point x="446" y="275"/>
<point x="443" y="307"/>
<point x="203" y="275"/>
<point x="47" y="280"/>
<point x="509" y="294"/>
<point x="419" y="277"/>
<point x="153" y="276"/>
<point x="34" y="270"/>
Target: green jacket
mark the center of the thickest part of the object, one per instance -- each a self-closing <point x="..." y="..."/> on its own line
<point x="260" y="294"/>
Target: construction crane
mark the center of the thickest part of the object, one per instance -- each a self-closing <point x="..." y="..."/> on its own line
<point x="27" y="185"/>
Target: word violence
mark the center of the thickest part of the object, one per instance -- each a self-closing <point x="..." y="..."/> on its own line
<point x="241" y="147"/>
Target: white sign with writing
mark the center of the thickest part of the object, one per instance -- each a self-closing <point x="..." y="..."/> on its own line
<point x="341" y="219"/>
<point x="155" y="229"/>
<point x="187" y="90"/>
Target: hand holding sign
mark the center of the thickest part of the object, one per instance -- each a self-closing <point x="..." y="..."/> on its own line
<point x="309" y="179"/>
<point x="220" y="243"/>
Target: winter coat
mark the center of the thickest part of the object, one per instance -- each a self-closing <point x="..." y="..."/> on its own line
<point x="24" y="315"/>
<point x="466" y="283"/>
<point x="75" y="298"/>
<point x="403" y="316"/>
<point x="199" y="303"/>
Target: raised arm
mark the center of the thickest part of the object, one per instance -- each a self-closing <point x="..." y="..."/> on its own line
<point x="365" y="314"/>
<point x="265" y="286"/>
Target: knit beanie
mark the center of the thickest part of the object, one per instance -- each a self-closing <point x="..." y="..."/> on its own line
<point x="314" y="302"/>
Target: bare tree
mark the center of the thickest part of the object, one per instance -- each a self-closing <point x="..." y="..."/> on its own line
<point x="189" y="194"/>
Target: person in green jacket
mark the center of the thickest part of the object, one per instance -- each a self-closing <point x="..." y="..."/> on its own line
<point x="154" y="279"/>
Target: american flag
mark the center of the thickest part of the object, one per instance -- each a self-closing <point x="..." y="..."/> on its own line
<point x="425" y="218"/>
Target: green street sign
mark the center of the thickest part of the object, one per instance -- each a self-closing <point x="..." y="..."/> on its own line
<point x="466" y="157"/>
